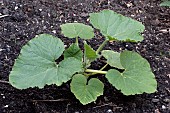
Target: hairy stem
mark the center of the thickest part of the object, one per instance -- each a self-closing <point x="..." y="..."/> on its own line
<point x="101" y="46"/>
<point x="95" y="71"/>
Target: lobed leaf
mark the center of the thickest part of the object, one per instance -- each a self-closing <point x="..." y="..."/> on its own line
<point x="73" y="30"/>
<point x="36" y="64"/>
<point x="86" y="93"/>
<point x="73" y="51"/>
<point x="137" y="77"/>
<point x="115" y="26"/>
<point x="113" y="58"/>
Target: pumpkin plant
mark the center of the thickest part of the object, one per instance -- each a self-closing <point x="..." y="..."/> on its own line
<point x="36" y="65"/>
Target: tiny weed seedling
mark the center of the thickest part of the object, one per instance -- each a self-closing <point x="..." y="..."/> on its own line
<point x="36" y="65"/>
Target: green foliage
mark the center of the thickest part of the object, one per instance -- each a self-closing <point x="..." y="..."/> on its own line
<point x="86" y="93"/>
<point x="137" y="73"/>
<point x="73" y="51"/>
<point x="36" y="64"/>
<point x="116" y="26"/>
<point x="165" y="3"/>
<point x="113" y="58"/>
<point x="89" y="52"/>
<point x="40" y="62"/>
<point x="73" y="30"/>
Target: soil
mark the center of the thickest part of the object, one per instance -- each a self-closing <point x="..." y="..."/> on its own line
<point x="26" y="18"/>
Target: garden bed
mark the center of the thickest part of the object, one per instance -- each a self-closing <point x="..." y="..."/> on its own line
<point x="26" y="18"/>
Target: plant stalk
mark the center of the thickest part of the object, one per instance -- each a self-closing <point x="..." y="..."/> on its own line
<point x="104" y="67"/>
<point x="84" y="56"/>
<point x="95" y="71"/>
<point x="77" y="41"/>
<point x="100" y="69"/>
<point x="101" y="46"/>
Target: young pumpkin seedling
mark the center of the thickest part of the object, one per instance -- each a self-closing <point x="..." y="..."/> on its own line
<point x="36" y="65"/>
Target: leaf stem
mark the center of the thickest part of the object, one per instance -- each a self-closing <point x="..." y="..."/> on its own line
<point x="104" y="67"/>
<point x="101" y="46"/>
<point x="100" y="70"/>
<point x="84" y="56"/>
<point x="77" y="41"/>
<point x="95" y="71"/>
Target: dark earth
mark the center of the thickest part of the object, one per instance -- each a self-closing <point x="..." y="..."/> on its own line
<point x="21" y="20"/>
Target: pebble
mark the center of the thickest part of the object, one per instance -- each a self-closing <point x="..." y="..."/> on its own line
<point x="157" y="111"/>
<point x="129" y="4"/>
<point x="16" y="7"/>
<point x="163" y="107"/>
<point x="77" y="112"/>
<point x="166" y="100"/>
<point x="6" y="106"/>
<point x="132" y="15"/>
<point x="109" y="111"/>
<point x="40" y="9"/>
<point x="65" y="46"/>
<point x="54" y="31"/>
<point x="155" y="100"/>
<point x="1" y="49"/>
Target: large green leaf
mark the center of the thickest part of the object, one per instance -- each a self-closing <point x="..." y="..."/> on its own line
<point x="137" y="77"/>
<point x="73" y="30"/>
<point x="165" y="3"/>
<point x="113" y="58"/>
<point x="73" y="51"/>
<point x="36" y="64"/>
<point x="86" y="93"/>
<point x="116" y="26"/>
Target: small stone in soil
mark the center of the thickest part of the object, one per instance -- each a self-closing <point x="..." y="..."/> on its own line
<point x="16" y="7"/>
<point x="54" y="31"/>
<point x="155" y="100"/>
<point x="77" y="112"/>
<point x="166" y="100"/>
<point x="5" y="106"/>
<point x="163" y="107"/>
<point x="109" y="111"/>
<point x="157" y="111"/>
